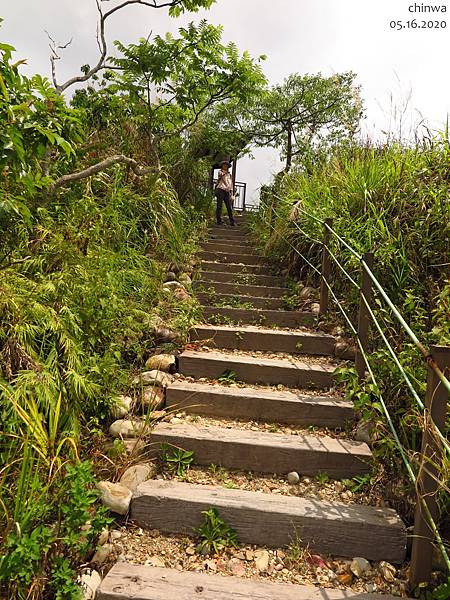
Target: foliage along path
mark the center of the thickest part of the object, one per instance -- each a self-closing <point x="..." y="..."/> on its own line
<point x="284" y="367"/>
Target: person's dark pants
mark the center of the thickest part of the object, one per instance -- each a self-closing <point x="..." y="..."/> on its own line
<point x="223" y="196"/>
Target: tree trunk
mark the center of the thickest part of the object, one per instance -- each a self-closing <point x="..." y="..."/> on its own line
<point x="289" y="147"/>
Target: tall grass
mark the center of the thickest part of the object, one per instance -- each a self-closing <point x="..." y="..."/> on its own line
<point x="392" y="200"/>
<point x="80" y="295"/>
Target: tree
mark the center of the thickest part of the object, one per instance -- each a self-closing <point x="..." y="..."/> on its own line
<point x="306" y="110"/>
<point x="171" y="81"/>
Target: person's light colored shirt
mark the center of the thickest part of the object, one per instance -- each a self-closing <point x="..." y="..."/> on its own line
<point x="225" y="181"/>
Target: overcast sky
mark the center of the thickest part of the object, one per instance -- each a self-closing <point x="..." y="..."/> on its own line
<point x="304" y="36"/>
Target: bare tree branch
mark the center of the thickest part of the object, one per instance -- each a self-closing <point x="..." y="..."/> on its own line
<point x="101" y="39"/>
<point x="54" y="56"/>
<point x="102" y="166"/>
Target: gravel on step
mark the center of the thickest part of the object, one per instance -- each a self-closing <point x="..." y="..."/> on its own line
<point x="295" y="564"/>
<point x="312" y="359"/>
<point x="331" y="393"/>
<point x="225" y="423"/>
<point x="317" y="488"/>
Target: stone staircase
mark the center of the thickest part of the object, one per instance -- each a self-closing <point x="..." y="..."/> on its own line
<point x="287" y="374"/>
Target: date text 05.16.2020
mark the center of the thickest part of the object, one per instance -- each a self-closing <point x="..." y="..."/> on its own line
<point x="418" y="24"/>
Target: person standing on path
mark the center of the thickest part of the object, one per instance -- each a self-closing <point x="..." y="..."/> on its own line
<point x="224" y="190"/>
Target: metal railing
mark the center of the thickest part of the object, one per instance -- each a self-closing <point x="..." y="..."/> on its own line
<point x="434" y="407"/>
<point x="240" y="195"/>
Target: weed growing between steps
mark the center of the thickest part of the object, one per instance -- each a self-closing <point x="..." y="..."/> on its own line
<point x="177" y="460"/>
<point x="214" y="534"/>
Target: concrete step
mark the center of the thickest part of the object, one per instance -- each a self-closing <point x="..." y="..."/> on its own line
<point x="231" y="268"/>
<point x="139" y="582"/>
<point x="265" y="452"/>
<point x="273" y="520"/>
<point x="252" y="316"/>
<point x="266" y="340"/>
<point x="261" y="291"/>
<point x="233" y="300"/>
<point x="266" y="371"/>
<point x="233" y="257"/>
<point x="259" y="404"/>
<point x="241" y="278"/>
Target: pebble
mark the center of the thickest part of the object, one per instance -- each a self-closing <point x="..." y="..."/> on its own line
<point x="262" y="560"/>
<point x="237" y="567"/>
<point x="388" y="571"/>
<point x="359" y="566"/>
<point x="115" y="535"/>
<point x="293" y="478"/>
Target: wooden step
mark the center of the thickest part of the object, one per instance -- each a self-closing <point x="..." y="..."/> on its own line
<point x="265" y="340"/>
<point x="240" y="278"/>
<point x="266" y="371"/>
<point x="253" y="316"/>
<point x="232" y="268"/>
<point x="259" y="404"/>
<point x="228" y="232"/>
<point x="233" y="246"/>
<point x="233" y="299"/>
<point x="126" y="581"/>
<point x="244" y="240"/>
<point x="261" y="291"/>
<point x="233" y="257"/>
<point x="273" y="519"/>
<point x="265" y="452"/>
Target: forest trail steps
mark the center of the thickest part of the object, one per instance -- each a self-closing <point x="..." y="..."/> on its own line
<point x="253" y="362"/>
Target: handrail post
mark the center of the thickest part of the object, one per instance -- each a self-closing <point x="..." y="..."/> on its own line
<point x="364" y="315"/>
<point x="428" y="478"/>
<point x="326" y="269"/>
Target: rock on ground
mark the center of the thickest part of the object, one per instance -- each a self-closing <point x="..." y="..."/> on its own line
<point x="127" y="429"/>
<point x="103" y="537"/>
<point x="134" y="447"/>
<point x="359" y="566"/>
<point x="154" y="377"/>
<point x="89" y="581"/>
<point x="161" y="362"/>
<point x="293" y="477"/>
<point x="122" y="407"/>
<point x="153" y="397"/>
<point x="182" y="294"/>
<point x="262" y="560"/>
<point x="115" y="496"/>
<point x="102" y="554"/>
<point x="134" y="476"/>
<point x="173" y="285"/>
<point x="164" y="335"/>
